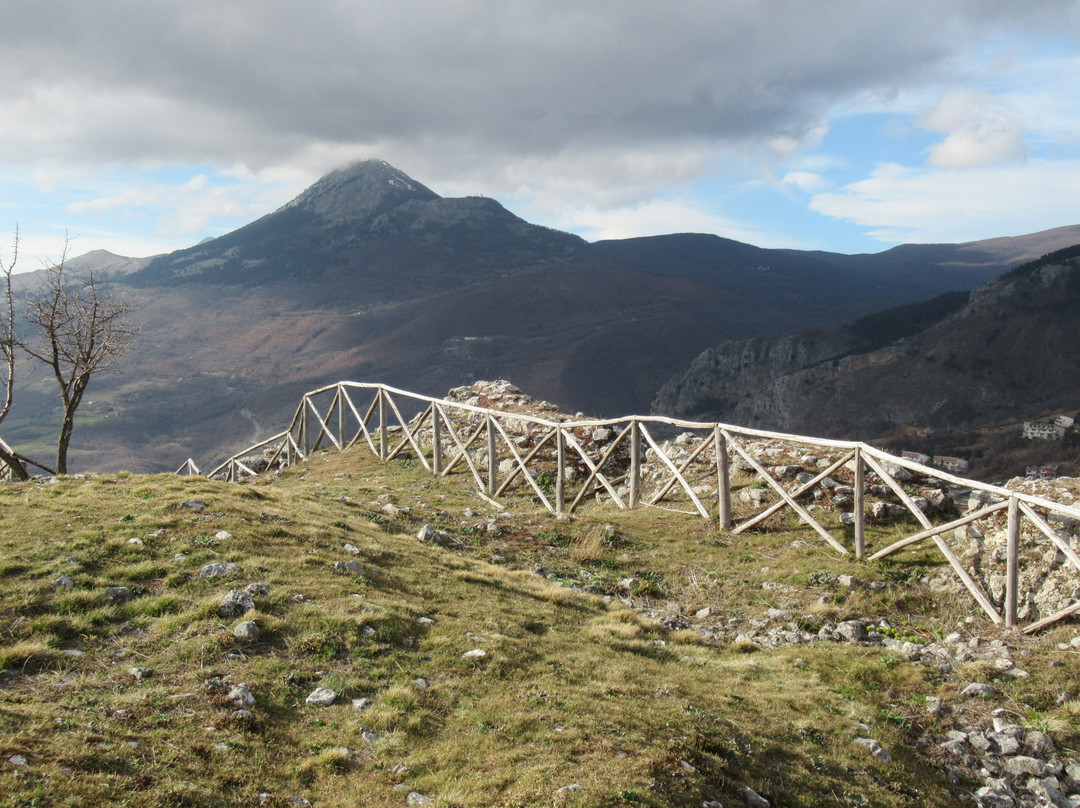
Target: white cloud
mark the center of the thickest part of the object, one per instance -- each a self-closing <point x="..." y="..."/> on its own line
<point x="808" y="181"/>
<point x="925" y="205"/>
<point x="980" y="130"/>
<point x="662" y="217"/>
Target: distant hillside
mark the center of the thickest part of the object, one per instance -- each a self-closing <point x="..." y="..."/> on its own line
<point x="370" y="275"/>
<point x="1009" y="350"/>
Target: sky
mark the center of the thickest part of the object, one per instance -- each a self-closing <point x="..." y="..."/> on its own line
<point x="846" y="125"/>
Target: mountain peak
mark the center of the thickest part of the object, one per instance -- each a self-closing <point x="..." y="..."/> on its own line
<point x="361" y="191"/>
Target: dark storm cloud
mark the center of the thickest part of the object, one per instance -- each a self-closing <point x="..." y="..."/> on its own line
<point x="254" y="82"/>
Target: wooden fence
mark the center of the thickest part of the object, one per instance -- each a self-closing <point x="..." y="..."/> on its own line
<point x="562" y="464"/>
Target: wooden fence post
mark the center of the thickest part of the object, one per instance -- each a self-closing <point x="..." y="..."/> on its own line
<point x="436" y="440"/>
<point x="723" y="479"/>
<point x="635" y="463"/>
<point x="493" y="463"/>
<point x="560" y="472"/>
<point x="860" y="506"/>
<point x="383" y="440"/>
<point x="304" y="427"/>
<point x="1012" y="563"/>
<point x="341" y="416"/>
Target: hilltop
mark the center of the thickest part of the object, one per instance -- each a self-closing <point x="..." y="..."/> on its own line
<point x="346" y="631"/>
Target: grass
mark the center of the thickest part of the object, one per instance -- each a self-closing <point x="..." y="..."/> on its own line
<point x="577" y="686"/>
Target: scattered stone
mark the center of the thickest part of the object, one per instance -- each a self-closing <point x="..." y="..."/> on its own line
<point x="425" y="621"/>
<point x="156" y="534"/>
<point x="753" y="799"/>
<point x="875" y="749"/>
<point x="135" y="540"/>
<point x="418" y="800"/>
<point x="257" y="589"/>
<point x="247" y="630"/>
<point x="17" y="760"/>
<point x="141" y="673"/>
<point x="236" y="603"/>
<point x="351" y="549"/>
<point x="476" y="653"/>
<point x="353" y="567"/>
<point x="218" y="570"/>
<point x="321" y="696"/>
<point x="242" y="715"/>
<point x="65" y="581"/>
<point x="978" y="690"/>
<point x="223" y="535"/>
<point x="703" y="614"/>
<point x="196" y="505"/>
<point x="240" y="696"/>
<point x="297" y="802"/>
<point x="852" y="630"/>
<point x="573" y="788"/>
<point x="361" y="704"/>
<point x="118" y="594"/>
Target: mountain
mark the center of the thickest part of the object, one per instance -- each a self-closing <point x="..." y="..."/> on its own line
<point x="370" y="275"/>
<point x="1008" y="350"/>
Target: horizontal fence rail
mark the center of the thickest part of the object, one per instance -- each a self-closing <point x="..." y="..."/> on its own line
<point x="564" y="463"/>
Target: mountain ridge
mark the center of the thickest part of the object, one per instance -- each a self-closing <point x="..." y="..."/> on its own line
<point x="1008" y="349"/>
<point x="370" y="275"/>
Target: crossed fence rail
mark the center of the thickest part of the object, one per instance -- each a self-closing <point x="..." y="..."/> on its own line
<point x="561" y="466"/>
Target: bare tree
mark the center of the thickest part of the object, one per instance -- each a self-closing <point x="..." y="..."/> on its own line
<point x="80" y="328"/>
<point x="8" y="344"/>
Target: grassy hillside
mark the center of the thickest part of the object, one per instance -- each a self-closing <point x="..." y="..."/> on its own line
<point x="590" y="676"/>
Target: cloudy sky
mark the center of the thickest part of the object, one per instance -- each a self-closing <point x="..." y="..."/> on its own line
<point x="142" y="127"/>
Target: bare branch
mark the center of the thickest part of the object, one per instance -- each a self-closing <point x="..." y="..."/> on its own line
<point x="80" y="327"/>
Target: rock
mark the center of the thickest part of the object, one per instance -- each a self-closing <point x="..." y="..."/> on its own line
<point x="351" y="549"/>
<point x="196" y="505"/>
<point x="978" y="690"/>
<point x="136" y="541"/>
<point x="476" y="653"/>
<point x="118" y="594"/>
<point x="1038" y="743"/>
<point x="141" y="673"/>
<point x="257" y="589"/>
<point x="240" y="696"/>
<point x="361" y="704"/>
<point x="65" y="581"/>
<point x="753" y="799"/>
<point x="848" y="582"/>
<point x="852" y="630"/>
<point x="321" y="696"/>
<point x="418" y="800"/>
<point x="217" y="570"/>
<point x="236" y="603"/>
<point x="703" y="614"/>
<point x="247" y="630"/>
<point x="421" y="684"/>
<point x="875" y="749"/>
<point x="573" y="788"/>
<point x="999" y="795"/>
<point x="297" y="802"/>
<point x="353" y="567"/>
<point x="223" y="535"/>
<point x="1022" y="764"/>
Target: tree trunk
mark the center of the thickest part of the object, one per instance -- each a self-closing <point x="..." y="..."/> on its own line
<point x="66" y="428"/>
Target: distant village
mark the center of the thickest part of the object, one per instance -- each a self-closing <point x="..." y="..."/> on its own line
<point x="1054" y="429"/>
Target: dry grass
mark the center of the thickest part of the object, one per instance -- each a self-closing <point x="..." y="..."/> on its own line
<point x="576" y="687"/>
